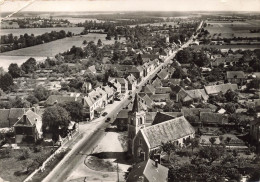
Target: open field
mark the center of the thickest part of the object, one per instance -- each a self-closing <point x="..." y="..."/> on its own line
<point x="233" y="29"/>
<point x="59" y="46"/>
<point x="39" y="31"/>
<point x="156" y="24"/>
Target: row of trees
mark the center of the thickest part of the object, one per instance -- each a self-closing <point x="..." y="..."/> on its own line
<point x="13" y="42"/>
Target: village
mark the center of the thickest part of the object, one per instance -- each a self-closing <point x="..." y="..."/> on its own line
<point x="160" y="106"/>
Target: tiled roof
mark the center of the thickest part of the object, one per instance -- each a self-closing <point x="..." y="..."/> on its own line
<point x="123" y="113"/>
<point x="149" y="171"/>
<point x="162" y="74"/>
<point x="148" y="89"/>
<point x="160" y="97"/>
<point x="131" y="79"/>
<point x="167" y="131"/>
<point x="209" y="117"/>
<point x="157" y="83"/>
<point x="163" y="90"/>
<point x="194" y="111"/>
<point x="214" y="89"/>
<point x="235" y="74"/>
<point x="197" y="94"/>
<point x="161" y="117"/>
<point x="16" y="113"/>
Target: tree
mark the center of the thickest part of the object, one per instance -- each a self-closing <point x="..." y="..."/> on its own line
<point x="6" y="81"/>
<point x="231" y="96"/>
<point x="228" y="140"/>
<point x="29" y="66"/>
<point x="168" y="147"/>
<point x="184" y="56"/>
<point x="32" y="99"/>
<point x="20" y="103"/>
<point x="41" y="93"/>
<point x="14" y="70"/>
<point x="84" y="42"/>
<point x="99" y="43"/>
<point x="55" y="120"/>
<point x="75" y="110"/>
<point x="194" y="142"/>
<point x="210" y="153"/>
<point x="230" y="107"/>
<point x="212" y="140"/>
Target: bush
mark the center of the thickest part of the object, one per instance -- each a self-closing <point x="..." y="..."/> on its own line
<point x="37" y="149"/>
<point x="5" y="153"/>
<point x="24" y="155"/>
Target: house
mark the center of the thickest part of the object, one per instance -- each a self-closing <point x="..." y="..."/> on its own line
<point x="8" y="117"/>
<point x="169" y="82"/>
<point x="61" y="99"/>
<point x="163" y="90"/>
<point x="163" y="74"/>
<point x="148" y="101"/>
<point x="210" y="118"/>
<point x="157" y="83"/>
<point x="148" y="171"/>
<point x="110" y="94"/>
<point x="122" y="119"/>
<point x="236" y="77"/>
<point x="215" y="89"/>
<point x="132" y="82"/>
<point x="150" y="138"/>
<point x="160" y="97"/>
<point x="28" y="128"/>
<point x="91" y="69"/>
<point x="138" y="72"/>
<point x="86" y="87"/>
<point x="114" y="83"/>
<point x="148" y="89"/>
<point x="124" y="85"/>
<point x="197" y="94"/>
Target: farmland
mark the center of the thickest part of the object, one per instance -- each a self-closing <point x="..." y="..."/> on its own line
<point x="233" y="29"/>
<point x="39" y="31"/>
<point x="52" y="48"/>
<point x="227" y="47"/>
<point x="40" y="52"/>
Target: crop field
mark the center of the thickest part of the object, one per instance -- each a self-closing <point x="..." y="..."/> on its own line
<point x="59" y="46"/>
<point x="39" y="31"/>
<point x="233" y="29"/>
<point x="42" y="51"/>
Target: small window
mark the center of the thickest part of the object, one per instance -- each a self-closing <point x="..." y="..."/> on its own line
<point x="140" y="142"/>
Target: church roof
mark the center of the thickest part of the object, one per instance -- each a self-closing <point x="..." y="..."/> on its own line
<point x="136" y="105"/>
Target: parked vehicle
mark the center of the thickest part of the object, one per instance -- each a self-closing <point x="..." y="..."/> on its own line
<point x="104" y="114"/>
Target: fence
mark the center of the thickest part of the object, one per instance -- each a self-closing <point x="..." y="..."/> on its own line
<point x="59" y="150"/>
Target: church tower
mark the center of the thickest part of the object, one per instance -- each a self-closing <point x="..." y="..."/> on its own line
<point x="136" y="121"/>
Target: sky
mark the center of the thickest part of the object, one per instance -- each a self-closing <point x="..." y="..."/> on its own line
<point x="131" y="5"/>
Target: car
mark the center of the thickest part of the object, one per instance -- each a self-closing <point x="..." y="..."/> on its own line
<point x="104" y="114"/>
<point x="108" y="119"/>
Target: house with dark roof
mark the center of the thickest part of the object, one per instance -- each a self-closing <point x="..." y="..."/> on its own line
<point x="215" y="119"/>
<point x="215" y="89"/>
<point x="170" y="81"/>
<point x="28" y="128"/>
<point x="236" y="77"/>
<point x="161" y="117"/>
<point x="8" y="117"/>
<point x="148" y="171"/>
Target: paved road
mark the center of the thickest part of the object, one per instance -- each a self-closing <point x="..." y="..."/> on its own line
<point x="92" y="136"/>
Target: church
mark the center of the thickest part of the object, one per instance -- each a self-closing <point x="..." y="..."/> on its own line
<point x="143" y="138"/>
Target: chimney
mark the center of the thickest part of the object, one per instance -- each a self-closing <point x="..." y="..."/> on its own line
<point x="156" y="163"/>
<point x="24" y="118"/>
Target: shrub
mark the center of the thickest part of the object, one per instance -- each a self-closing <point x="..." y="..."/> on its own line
<point x="5" y="153"/>
<point x="24" y="154"/>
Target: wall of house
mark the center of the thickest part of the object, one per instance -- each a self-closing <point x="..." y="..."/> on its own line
<point x="140" y="144"/>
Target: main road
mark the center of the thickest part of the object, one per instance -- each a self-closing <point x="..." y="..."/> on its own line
<point x="95" y="130"/>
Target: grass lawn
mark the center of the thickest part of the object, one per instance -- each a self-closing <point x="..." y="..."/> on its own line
<point x="13" y="163"/>
<point x="98" y="164"/>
